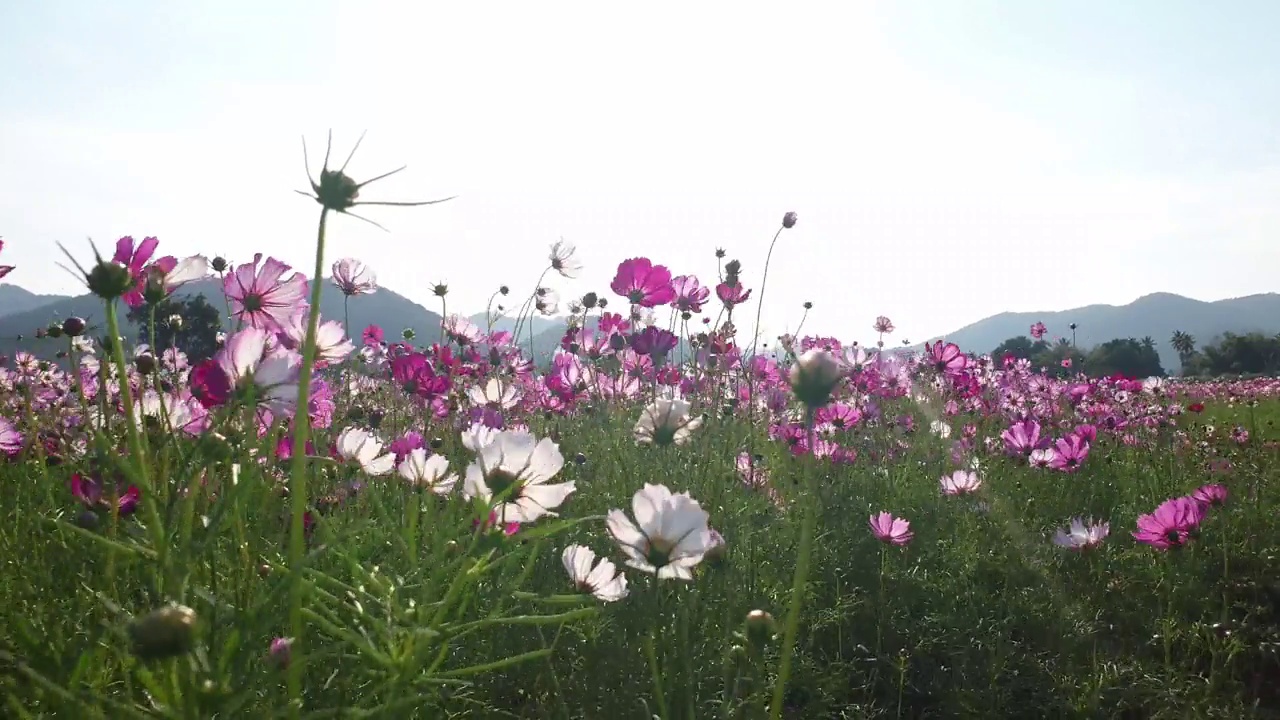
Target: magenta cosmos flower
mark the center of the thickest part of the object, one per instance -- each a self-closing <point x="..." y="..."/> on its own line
<point x="265" y="298"/>
<point x="643" y="283"/>
<point x="946" y="358"/>
<point x="890" y="530"/>
<point x="1038" y="330"/>
<point x="1171" y="524"/>
<point x="1214" y="495"/>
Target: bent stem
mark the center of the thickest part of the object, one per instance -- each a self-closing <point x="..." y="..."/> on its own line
<point x="298" y="480"/>
<point x="801" y="577"/>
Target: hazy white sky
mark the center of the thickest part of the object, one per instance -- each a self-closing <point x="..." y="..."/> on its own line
<point x="948" y="160"/>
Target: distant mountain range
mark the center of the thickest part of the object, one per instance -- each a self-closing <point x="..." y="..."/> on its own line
<point x="391" y="311"/>
<point x="1157" y="315"/>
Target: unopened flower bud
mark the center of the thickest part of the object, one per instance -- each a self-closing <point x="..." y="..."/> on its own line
<point x="109" y="280"/>
<point x="280" y="652"/>
<point x="145" y="363"/>
<point x="219" y="264"/>
<point x="590" y="300"/>
<point x="55" y="331"/>
<point x="617" y="342"/>
<point x="175" y="322"/>
<point x="789" y="220"/>
<point x="760" y="628"/>
<point x="504" y="289"/>
<point x="73" y="326"/>
<point x="814" y="375"/>
<point x="604" y="303"/>
<point x="407" y="333"/>
<point x="163" y="633"/>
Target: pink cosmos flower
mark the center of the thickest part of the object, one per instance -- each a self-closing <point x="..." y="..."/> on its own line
<point x="264" y="299"/>
<point x="10" y="438"/>
<point x="1069" y="453"/>
<point x="1038" y="330"/>
<point x="1022" y="437"/>
<point x="1171" y="524"/>
<point x="890" y="530"/>
<point x="883" y="325"/>
<point x="690" y="294"/>
<point x="353" y="277"/>
<point x="643" y="283"/>
<point x="732" y="295"/>
<point x="135" y="259"/>
<point x="946" y="358"/>
<point x="1213" y="495"/>
<point x="960" y="482"/>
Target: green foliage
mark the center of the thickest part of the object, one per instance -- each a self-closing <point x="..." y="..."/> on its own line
<point x="1125" y="356"/>
<point x="196" y="334"/>
<point x="1236" y="354"/>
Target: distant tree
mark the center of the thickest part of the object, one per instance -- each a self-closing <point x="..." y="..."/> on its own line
<point x="1185" y="345"/>
<point x="1236" y="354"/>
<point x="196" y="334"/>
<point x="1020" y="347"/>
<point x="1126" y="356"/>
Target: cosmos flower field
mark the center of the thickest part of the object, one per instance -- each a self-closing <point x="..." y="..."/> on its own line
<point x="662" y="519"/>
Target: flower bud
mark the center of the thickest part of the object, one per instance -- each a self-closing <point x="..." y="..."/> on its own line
<point x="814" y="375"/>
<point x="145" y="363"/>
<point x="163" y="633"/>
<point x="73" y="326"/>
<point x="789" y="220"/>
<point x="176" y="322"/>
<point x="55" y="331"/>
<point x="407" y="333"/>
<point x="280" y="652"/>
<point x="219" y="264"/>
<point x="617" y="342"/>
<point x="590" y="300"/>
<point x="760" y="628"/>
<point x="109" y="280"/>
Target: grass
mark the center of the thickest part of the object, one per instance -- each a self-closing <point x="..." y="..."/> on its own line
<point x="979" y="616"/>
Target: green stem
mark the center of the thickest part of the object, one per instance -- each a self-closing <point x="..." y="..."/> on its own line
<point x="154" y="524"/>
<point x="298" y="481"/>
<point x="801" y="577"/>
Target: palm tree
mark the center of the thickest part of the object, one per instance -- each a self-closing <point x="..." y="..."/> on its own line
<point x="1148" y="343"/>
<point x="1185" y="345"/>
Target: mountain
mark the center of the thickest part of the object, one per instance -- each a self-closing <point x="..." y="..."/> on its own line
<point x="1157" y="315"/>
<point x="390" y="311"/>
<point x="14" y="299"/>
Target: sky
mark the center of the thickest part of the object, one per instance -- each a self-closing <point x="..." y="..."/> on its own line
<point x="947" y="160"/>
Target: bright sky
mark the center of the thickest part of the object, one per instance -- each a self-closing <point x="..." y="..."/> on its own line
<point x="948" y="160"/>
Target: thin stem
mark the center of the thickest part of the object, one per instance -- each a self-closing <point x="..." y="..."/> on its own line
<point x="801" y="577"/>
<point x="298" y="481"/>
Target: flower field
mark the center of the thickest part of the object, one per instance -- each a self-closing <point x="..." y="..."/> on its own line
<point x="663" y="519"/>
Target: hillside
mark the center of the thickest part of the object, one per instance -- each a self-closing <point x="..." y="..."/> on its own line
<point x="14" y="300"/>
<point x="1157" y="315"/>
<point x="391" y="311"/>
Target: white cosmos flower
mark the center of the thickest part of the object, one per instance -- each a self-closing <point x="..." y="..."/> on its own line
<point x="186" y="270"/>
<point x="563" y="260"/>
<point x="477" y="436"/>
<point x="960" y="482"/>
<point x="332" y="344"/>
<point x="941" y="429"/>
<point x="547" y="301"/>
<point x="427" y="472"/>
<point x="495" y="393"/>
<point x="353" y="277"/>
<point x="364" y="448"/>
<point x="181" y="412"/>
<point x="603" y="580"/>
<point x="665" y="422"/>
<point x="1082" y="534"/>
<point x="513" y="470"/>
<point x="669" y="535"/>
